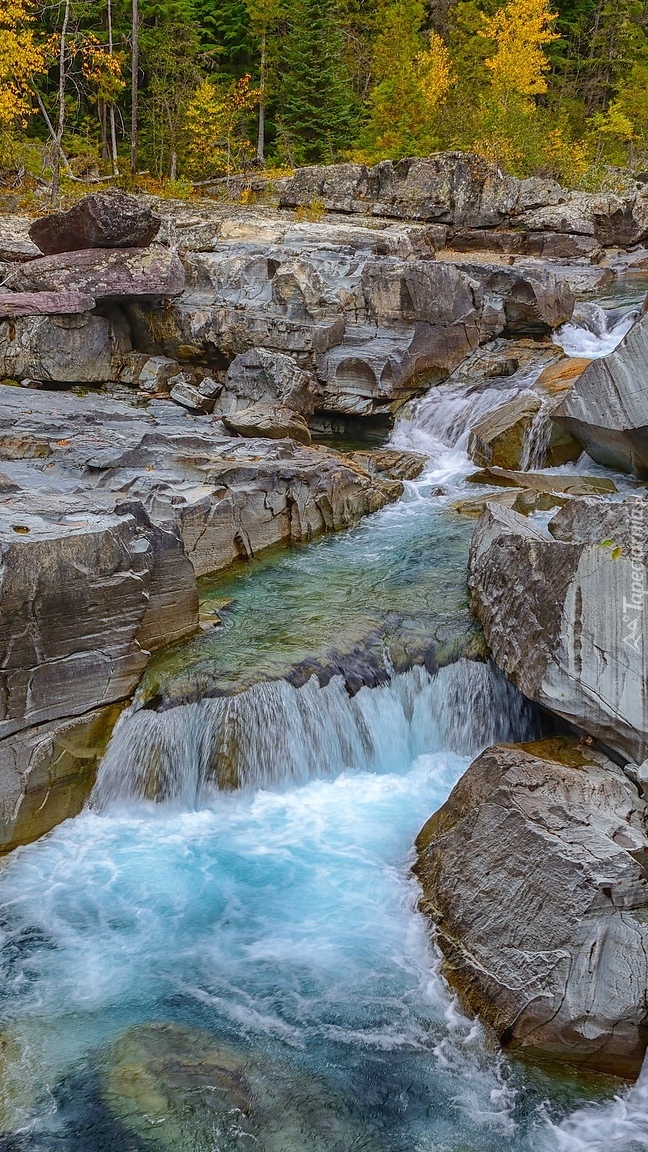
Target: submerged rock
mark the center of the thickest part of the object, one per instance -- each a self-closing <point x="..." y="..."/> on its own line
<point x="606" y="409"/>
<point x="572" y="484"/>
<point x="533" y="873"/>
<point x="109" y="219"/>
<point x="563" y="613"/>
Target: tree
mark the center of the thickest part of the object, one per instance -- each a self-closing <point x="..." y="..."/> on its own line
<point x="20" y="59"/>
<point x="519" y="30"/>
<point x="413" y="74"/>
<point x="215" y="140"/>
<point x="316" y="110"/>
<point x="263" y="15"/>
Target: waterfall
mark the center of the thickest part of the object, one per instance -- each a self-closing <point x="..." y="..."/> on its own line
<point x="536" y="445"/>
<point x="275" y="735"/>
<point x="594" y="331"/>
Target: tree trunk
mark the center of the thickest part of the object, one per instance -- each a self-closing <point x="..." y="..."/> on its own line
<point x="58" y="146"/>
<point x="111" y="110"/>
<point x="262" y="87"/>
<point x="134" y="85"/>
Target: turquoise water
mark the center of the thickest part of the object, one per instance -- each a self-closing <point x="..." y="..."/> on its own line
<point x="278" y="926"/>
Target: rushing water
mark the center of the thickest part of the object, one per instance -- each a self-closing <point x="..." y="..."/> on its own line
<point x="229" y="971"/>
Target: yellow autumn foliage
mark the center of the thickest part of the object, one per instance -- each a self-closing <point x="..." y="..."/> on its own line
<point x="20" y="59"/>
<point x="520" y="30"/>
<point x="434" y="71"/>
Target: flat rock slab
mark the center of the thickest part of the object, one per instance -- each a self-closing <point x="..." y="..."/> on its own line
<point x="533" y="873"/>
<point x="109" y="219"/>
<point x="44" y="303"/>
<point x="272" y="421"/>
<point x="544" y="482"/>
<point x="105" y="274"/>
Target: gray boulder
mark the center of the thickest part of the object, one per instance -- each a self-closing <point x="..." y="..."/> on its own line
<point x="68" y="349"/>
<point x="521" y="300"/>
<point x="264" y="376"/>
<point x="533" y="874"/>
<point x="563" y="612"/>
<point x="109" y="219"/>
<point x="338" y="188"/>
<point x="268" y="420"/>
<point x="606" y="409"/>
<point x="105" y="274"/>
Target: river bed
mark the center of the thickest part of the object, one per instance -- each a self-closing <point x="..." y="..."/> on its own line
<point x="271" y="935"/>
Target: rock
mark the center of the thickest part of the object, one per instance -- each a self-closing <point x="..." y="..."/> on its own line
<point x="85" y="597"/>
<point x="108" y="219"/>
<point x="47" y="773"/>
<point x="167" y="1083"/>
<point x="564" y="617"/>
<point x="389" y="462"/>
<point x="14" y="304"/>
<point x="532" y="298"/>
<point x="520" y="434"/>
<point x="105" y="274"/>
<point x="337" y="188"/>
<point x="520" y="242"/>
<point x="523" y="500"/>
<point x="533" y="873"/>
<point x="69" y="349"/>
<point x="184" y="392"/>
<point x="15" y="245"/>
<point x="571" y="485"/>
<point x="268" y="420"/>
<point x="607" y="407"/>
<point x="153" y="374"/>
<point x="559" y="377"/>
<point x="500" y="438"/>
<point x="268" y="377"/>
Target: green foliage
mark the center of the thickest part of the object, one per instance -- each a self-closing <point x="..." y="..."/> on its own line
<point x="316" y="109"/>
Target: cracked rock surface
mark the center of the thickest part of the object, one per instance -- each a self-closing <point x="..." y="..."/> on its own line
<point x="533" y="872"/>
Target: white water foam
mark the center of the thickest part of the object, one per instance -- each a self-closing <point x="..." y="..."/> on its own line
<point x="594" y="331"/>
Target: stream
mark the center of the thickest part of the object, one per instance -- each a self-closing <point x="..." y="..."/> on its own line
<point x="270" y="935"/>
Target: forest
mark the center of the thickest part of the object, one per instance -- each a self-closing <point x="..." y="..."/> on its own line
<point x="167" y="95"/>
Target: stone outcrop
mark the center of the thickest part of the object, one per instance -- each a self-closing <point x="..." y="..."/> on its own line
<point x="606" y="409"/>
<point x="572" y="484"/>
<point x="533" y="873"/>
<point x="86" y="596"/>
<point x="85" y="348"/>
<point x="563" y="612"/>
<point x="524" y="300"/>
<point x="109" y="219"/>
<point x="468" y="195"/>
<point x="105" y="274"/>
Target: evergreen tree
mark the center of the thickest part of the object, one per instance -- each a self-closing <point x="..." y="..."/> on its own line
<point x="315" y="104"/>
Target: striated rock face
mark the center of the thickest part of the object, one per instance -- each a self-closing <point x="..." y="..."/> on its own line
<point x="606" y="409"/>
<point x="14" y="304"/>
<point x="533" y="872"/>
<point x="524" y="300"/>
<point x="86" y="595"/>
<point x="105" y="274"/>
<point x="563" y="612"/>
<point x="108" y="219"/>
<point x="72" y="349"/>
<point x="262" y="376"/>
<point x="469" y="195"/>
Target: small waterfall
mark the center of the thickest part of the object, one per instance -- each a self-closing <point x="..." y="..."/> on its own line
<point x="594" y="331"/>
<point x="275" y="735"/>
<point x="447" y="414"/>
<point x="536" y="445"/>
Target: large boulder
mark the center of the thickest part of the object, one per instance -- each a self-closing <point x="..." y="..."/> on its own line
<point x="108" y="219"/>
<point x="264" y="376"/>
<point x="520" y="434"/>
<point x="268" y="420"/>
<point x="606" y="409"/>
<point x="85" y="597"/>
<point x="105" y="274"/>
<point x="563" y="612"/>
<point x="533" y="873"/>
<point x="69" y="349"/>
<point x="336" y="187"/>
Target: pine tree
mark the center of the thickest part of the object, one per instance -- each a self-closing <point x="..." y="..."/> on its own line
<point x="315" y="103"/>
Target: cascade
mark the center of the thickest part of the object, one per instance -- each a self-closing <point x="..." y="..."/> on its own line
<point x="275" y="735"/>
